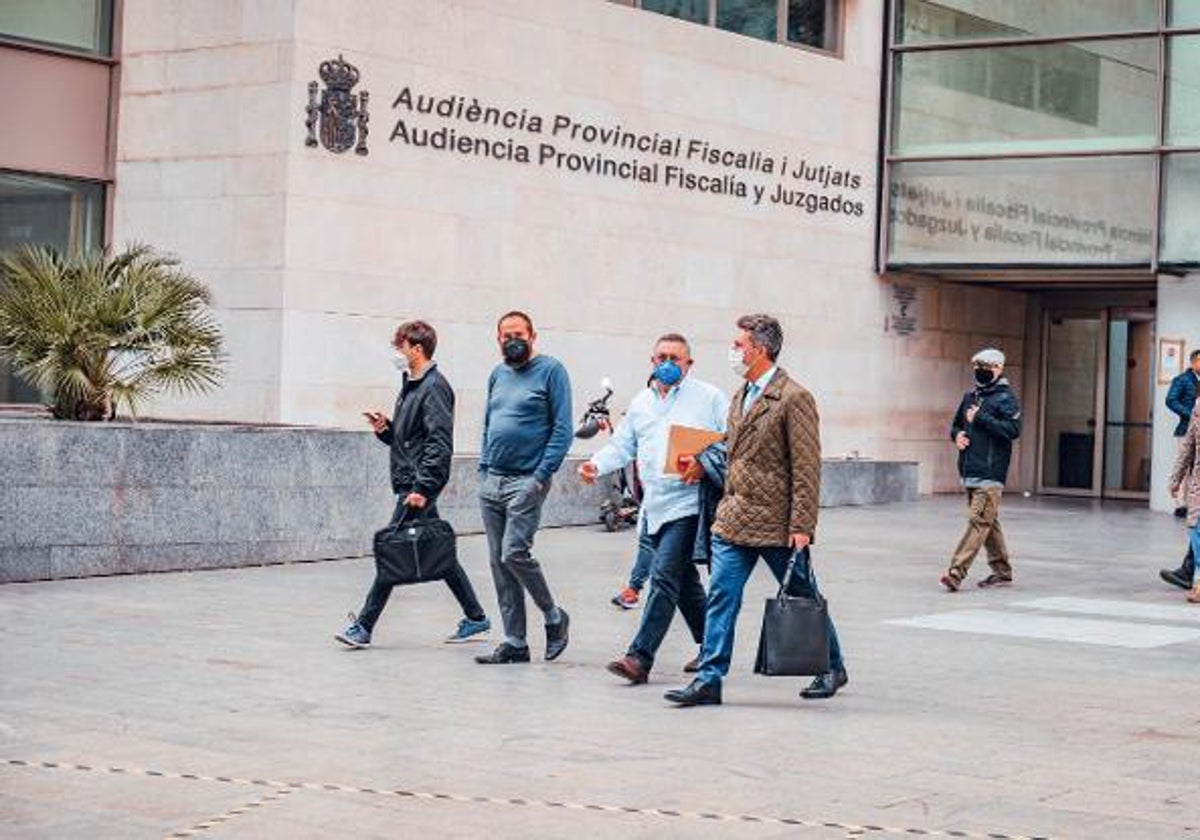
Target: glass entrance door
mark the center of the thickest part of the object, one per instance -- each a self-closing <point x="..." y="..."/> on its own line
<point x="1097" y="403"/>
<point x="1130" y="397"/>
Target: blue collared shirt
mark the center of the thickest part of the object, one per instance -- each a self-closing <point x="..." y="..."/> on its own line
<point x="643" y="433"/>
<point x="754" y="389"/>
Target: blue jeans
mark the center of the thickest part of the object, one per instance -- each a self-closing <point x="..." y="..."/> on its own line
<point x="731" y="568"/>
<point x="674" y="583"/>
<point x="1193" y="553"/>
<point x="640" y="573"/>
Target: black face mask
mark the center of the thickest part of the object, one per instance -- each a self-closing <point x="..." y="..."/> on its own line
<point x="516" y="351"/>
<point x="985" y="376"/>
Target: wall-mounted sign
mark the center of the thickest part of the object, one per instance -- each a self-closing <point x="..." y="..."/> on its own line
<point x="1170" y="359"/>
<point x="902" y="320"/>
<point x="476" y="130"/>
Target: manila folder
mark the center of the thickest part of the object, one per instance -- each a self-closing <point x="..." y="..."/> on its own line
<point x="685" y="440"/>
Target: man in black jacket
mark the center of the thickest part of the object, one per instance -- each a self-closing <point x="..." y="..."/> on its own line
<point x="988" y="420"/>
<point x="421" y="437"/>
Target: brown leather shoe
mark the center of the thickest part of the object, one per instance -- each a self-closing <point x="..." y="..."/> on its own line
<point x="692" y="665"/>
<point x="1194" y="596"/>
<point x="628" y="667"/>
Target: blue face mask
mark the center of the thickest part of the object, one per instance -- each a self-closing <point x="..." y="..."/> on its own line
<point x="668" y="373"/>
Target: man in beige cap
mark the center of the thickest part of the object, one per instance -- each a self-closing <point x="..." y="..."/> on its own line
<point x="988" y="420"/>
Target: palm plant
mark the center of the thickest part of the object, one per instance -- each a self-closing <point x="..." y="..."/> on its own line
<point x="101" y="332"/>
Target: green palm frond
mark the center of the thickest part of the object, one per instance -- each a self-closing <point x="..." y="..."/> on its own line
<point x="103" y="332"/>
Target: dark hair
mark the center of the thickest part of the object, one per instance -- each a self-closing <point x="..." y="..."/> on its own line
<point x="765" y="332"/>
<point x="676" y="338"/>
<point x="417" y="334"/>
<point x="516" y="313"/>
<point x="1192" y="357"/>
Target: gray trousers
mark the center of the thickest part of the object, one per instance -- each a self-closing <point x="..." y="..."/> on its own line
<point x="512" y="509"/>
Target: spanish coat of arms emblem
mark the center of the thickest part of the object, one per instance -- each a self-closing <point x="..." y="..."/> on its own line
<point x="336" y="115"/>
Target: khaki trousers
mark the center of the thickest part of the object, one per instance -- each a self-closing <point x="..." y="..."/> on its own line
<point x="983" y="530"/>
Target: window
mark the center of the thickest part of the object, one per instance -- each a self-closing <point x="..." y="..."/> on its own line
<point x="695" y="11"/>
<point x="1181" y="207"/>
<point x="65" y="214"/>
<point x="806" y="23"/>
<point x="1049" y="211"/>
<point x="924" y="21"/>
<point x="79" y="25"/>
<point x="1183" y="92"/>
<point x="1087" y="95"/>
<point x="1184" y="13"/>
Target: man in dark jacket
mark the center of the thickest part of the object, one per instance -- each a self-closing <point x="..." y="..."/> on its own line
<point x="421" y="437"/>
<point x="988" y="420"/>
<point x="1181" y="396"/>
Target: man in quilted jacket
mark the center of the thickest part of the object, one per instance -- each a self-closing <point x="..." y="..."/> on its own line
<point x="769" y="508"/>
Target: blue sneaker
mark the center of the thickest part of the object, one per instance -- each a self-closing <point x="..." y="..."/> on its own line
<point x="469" y="631"/>
<point x="355" y="636"/>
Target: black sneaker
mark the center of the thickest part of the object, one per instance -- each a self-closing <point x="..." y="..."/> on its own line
<point x="505" y="654"/>
<point x="1176" y="577"/>
<point x="557" y="636"/>
<point x="1181" y="512"/>
<point x="993" y="580"/>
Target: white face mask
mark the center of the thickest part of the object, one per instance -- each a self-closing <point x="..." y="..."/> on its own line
<point x="737" y="361"/>
<point x="400" y="361"/>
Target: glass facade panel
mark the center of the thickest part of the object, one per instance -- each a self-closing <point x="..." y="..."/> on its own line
<point x="926" y="21"/>
<point x="808" y="23"/>
<point x="1052" y="97"/>
<point x="756" y="18"/>
<point x="83" y="25"/>
<point x="694" y="10"/>
<point x="1184" y="13"/>
<point x="47" y="211"/>
<point x="1181" y="209"/>
<point x="1060" y="211"/>
<point x="1183" y="90"/>
<point x="1073" y="350"/>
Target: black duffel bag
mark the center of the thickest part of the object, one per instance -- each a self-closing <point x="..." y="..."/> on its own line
<point x="415" y="549"/>
<point x="794" y="641"/>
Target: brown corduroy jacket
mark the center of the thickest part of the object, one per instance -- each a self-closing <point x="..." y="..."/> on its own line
<point x="773" y="485"/>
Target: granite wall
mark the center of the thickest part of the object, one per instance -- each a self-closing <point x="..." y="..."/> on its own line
<point x="78" y="500"/>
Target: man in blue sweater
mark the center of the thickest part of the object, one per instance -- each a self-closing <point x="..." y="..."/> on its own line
<point x="527" y="431"/>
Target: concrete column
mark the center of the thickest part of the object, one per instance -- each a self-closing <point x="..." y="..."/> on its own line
<point x="1178" y="318"/>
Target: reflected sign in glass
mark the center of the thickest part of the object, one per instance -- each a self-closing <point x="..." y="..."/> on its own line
<point x="1064" y="211"/>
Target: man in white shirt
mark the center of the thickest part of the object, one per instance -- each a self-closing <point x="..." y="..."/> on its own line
<point x="670" y="507"/>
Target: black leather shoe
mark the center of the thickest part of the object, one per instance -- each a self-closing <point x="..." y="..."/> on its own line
<point x="504" y="654"/>
<point x="557" y="636"/>
<point x="696" y="694"/>
<point x="1175" y="577"/>
<point x="825" y="685"/>
<point x="1181" y="512"/>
